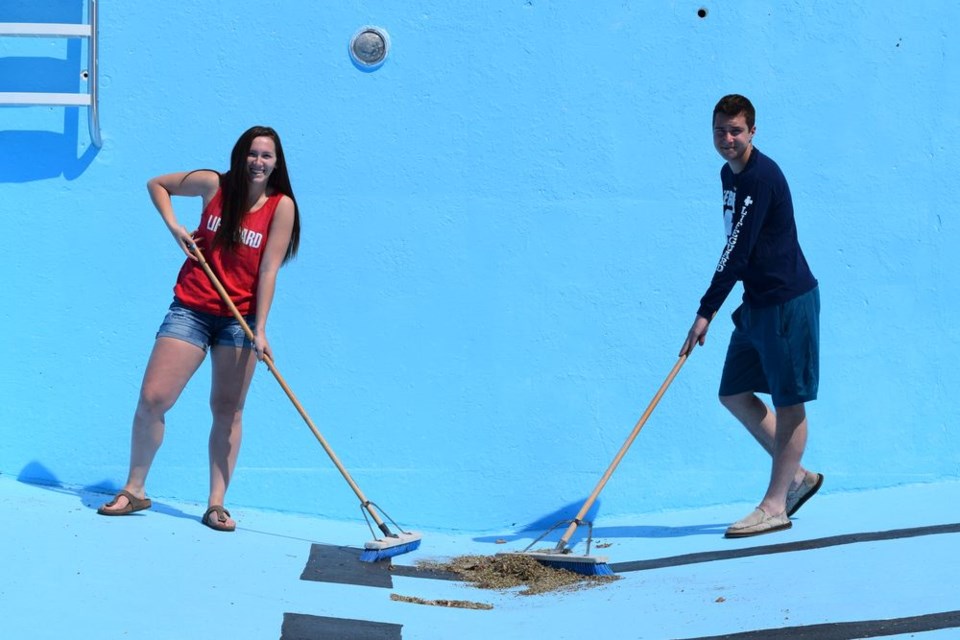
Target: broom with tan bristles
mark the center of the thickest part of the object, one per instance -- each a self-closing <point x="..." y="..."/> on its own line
<point x="392" y="543"/>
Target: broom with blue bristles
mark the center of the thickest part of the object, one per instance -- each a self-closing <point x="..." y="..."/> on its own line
<point x="392" y="543"/>
<point x="561" y="556"/>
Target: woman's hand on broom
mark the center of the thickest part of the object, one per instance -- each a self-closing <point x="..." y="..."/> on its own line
<point x="261" y="346"/>
<point x="187" y="242"/>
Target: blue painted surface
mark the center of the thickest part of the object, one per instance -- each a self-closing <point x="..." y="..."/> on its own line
<point x="160" y="575"/>
<point x="507" y="228"/>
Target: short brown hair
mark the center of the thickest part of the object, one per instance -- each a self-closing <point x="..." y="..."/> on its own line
<point x="733" y="105"/>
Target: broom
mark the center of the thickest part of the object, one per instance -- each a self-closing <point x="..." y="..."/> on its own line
<point x="392" y="544"/>
<point x="560" y="557"/>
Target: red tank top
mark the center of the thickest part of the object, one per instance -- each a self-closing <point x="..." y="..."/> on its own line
<point x="237" y="268"/>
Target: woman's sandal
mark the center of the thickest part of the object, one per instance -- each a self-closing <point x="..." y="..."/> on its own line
<point x="133" y="504"/>
<point x="220" y="522"/>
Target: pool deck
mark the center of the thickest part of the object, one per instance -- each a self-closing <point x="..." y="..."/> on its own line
<point x="882" y="563"/>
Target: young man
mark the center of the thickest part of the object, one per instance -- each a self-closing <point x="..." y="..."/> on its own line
<point x="774" y="347"/>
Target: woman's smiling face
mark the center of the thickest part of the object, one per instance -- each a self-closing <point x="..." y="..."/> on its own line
<point x="261" y="159"/>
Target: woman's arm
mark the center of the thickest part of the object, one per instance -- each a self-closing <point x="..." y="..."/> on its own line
<point x="185" y="183"/>
<point x="281" y="230"/>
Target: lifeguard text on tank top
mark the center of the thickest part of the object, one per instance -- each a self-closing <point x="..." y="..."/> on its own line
<point x="250" y="238"/>
<point x="236" y="265"/>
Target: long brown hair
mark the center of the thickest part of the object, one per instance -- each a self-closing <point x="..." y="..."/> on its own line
<point x="235" y="188"/>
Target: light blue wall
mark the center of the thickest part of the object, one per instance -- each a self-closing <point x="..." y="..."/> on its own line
<point x="506" y="232"/>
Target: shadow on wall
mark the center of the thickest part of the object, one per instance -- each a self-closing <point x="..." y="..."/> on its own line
<point x="37" y="155"/>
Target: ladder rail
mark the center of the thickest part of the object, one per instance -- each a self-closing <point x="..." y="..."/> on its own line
<point x="91" y="98"/>
<point x="93" y="113"/>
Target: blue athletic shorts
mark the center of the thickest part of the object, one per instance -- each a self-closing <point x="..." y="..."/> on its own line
<point x="775" y="350"/>
<point x="204" y="329"/>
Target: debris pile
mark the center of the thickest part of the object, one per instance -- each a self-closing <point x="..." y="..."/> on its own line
<point x="507" y="571"/>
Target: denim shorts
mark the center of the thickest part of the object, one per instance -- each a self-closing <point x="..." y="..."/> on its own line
<point x="204" y="329"/>
<point x="775" y="350"/>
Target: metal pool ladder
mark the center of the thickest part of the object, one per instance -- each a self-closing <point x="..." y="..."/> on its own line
<point x="55" y="30"/>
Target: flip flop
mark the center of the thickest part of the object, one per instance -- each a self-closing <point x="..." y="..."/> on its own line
<point x="220" y="523"/>
<point x="133" y="504"/>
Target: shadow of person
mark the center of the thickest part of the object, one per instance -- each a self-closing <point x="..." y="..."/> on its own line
<point x="37" y="474"/>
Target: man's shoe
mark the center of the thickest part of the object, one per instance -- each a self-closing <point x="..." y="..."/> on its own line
<point x="757" y="523"/>
<point x="796" y="497"/>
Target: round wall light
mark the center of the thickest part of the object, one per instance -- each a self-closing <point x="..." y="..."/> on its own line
<point x="369" y="48"/>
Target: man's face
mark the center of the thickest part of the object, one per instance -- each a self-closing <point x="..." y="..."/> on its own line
<point x="732" y="138"/>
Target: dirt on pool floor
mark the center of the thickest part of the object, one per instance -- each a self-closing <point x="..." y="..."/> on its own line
<point x="509" y="571"/>
<point x="456" y="604"/>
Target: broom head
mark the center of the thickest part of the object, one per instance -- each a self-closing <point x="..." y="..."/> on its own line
<point x="389" y="546"/>
<point x="585" y="565"/>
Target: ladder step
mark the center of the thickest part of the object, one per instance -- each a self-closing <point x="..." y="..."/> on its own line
<point x="45" y="30"/>
<point x="49" y="99"/>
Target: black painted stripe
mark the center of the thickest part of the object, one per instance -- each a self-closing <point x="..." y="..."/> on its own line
<point x="786" y="547"/>
<point x="299" y="626"/>
<point x="850" y="630"/>
<point x="341" y="565"/>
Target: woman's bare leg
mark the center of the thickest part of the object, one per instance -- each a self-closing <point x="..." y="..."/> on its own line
<point x="232" y="372"/>
<point x="172" y="363"/>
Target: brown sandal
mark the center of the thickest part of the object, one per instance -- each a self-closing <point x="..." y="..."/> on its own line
<point x="133" y="504"/>
<point x="220" y="523"/>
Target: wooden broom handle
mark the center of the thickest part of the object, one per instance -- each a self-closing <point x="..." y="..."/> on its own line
<point x="283" y="384"/>
<point x="623" y="450"/>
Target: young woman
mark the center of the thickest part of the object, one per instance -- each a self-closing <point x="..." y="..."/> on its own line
<point x="249" y="227"/>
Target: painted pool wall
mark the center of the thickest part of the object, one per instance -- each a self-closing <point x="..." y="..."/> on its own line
<point x="507" y="229"/>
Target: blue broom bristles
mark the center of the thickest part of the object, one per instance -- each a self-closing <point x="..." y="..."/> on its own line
<point x="376" y="555"/>
<point x="584" y="565"/>
<point x="586" y="568"/>
<point x="391" y="546"/>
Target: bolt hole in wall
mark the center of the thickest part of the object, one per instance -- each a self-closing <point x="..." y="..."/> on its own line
<point x="702" y="12"/>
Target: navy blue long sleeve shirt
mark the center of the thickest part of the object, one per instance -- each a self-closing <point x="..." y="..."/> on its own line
<point x="762" y="249"/>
